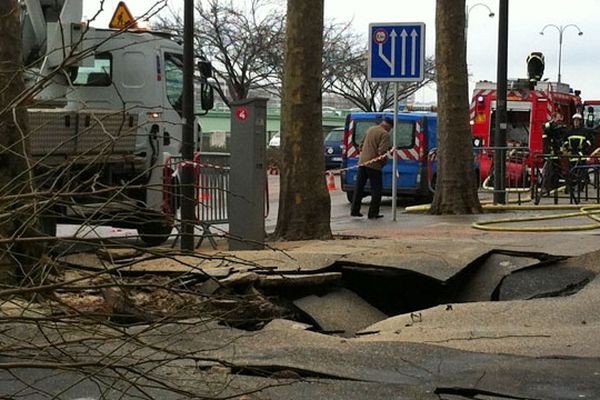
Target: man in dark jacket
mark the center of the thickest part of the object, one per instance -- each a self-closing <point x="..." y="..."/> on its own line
<point x="375" y="144"/>
<point x="552" y="134"/>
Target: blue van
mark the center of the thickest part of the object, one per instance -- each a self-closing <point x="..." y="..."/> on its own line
<point x="415" y="137"/>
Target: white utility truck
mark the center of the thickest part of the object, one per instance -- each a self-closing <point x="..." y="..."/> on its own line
<point x="107" y="113"/>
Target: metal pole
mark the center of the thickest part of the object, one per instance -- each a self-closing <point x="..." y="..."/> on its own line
<point x="501" y="117"/>
<point x="560" y="38"/>
<point x="394" y="160"/>
<point x="187" y="147"/>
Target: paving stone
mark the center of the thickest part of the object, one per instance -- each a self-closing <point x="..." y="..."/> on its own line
<point x="340" y="311"/>
<point x="545" y="281"/>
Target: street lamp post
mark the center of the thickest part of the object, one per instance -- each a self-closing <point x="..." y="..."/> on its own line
<point x="561" y="29"/>
<point x="468" y="11"/>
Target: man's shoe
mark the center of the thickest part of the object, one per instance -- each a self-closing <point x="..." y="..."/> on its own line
<point x="375" y="216"/>
<point x="356" y="215"/>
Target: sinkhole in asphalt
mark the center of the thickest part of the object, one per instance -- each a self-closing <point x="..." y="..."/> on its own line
<point x="357" y="296"/>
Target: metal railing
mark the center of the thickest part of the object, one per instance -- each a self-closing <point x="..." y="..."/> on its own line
<point x="575" y="178"/>
<point x="516" y="168"/>
<point x="572" y="177"/>
<point x="211" y="186"/>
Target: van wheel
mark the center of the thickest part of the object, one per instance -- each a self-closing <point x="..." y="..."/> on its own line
<point x="424" y="198"/>
<point x="432" y="183"/>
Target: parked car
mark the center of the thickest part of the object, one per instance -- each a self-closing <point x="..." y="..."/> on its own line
<point x="275" y="141"/>
<point x="333" y="148"/>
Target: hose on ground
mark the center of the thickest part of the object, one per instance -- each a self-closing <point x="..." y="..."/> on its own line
<point x="588" y="211"/>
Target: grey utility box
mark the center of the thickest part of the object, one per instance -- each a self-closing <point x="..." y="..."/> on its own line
<point x="247" y="176"/>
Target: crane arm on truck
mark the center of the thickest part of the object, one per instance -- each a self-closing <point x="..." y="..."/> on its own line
<point x="47" y="26"/>
<point x="51" y="32"/>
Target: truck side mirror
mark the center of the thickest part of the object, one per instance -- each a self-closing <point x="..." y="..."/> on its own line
<point x="589" y="122"/>
<point x="207" y="96"/>
<point x="205" y="68"/>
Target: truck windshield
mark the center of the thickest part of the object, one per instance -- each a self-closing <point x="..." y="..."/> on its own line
<point x="517" y="128"/>
<point x="174" y="80"/>
<point x="404" y="132"/>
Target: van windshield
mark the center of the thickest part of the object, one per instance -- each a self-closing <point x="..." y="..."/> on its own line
<point x="404" y="132"/>
<point x="335" y="135"/>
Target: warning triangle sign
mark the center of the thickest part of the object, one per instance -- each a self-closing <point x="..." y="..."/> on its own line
<point x="122" y="18"/>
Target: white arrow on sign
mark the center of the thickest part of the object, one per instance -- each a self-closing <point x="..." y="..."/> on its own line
<point x="403" y="35"/>
<point x="413" y="65"/>
<point x="390" y="62"/>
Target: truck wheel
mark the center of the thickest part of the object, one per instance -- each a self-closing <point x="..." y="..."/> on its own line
<point x="47" y="224"/>
<point x="155" y="233"/>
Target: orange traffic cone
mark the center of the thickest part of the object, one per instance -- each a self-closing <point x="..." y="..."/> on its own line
<point x="330" y="182"/>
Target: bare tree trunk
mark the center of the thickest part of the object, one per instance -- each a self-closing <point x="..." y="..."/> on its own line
<point x="456" y="190"/>
<point x="13" y="132"/>
<point x="304" y="203"/>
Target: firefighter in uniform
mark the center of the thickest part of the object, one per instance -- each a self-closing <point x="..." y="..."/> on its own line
<point x="577" y="146"/>
<point x="578" y="140"/>
<point x="553" y="133"/>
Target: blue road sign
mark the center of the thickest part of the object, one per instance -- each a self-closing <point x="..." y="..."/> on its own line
<point x="396" y="52"/>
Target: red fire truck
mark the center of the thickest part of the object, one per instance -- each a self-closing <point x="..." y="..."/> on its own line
<point x="528" y="109"/>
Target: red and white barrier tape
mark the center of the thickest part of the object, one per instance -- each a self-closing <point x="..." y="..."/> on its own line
<point x="195" y="164"/>
<point x="371" y="161"/>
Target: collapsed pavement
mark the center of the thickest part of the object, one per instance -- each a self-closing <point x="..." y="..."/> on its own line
<point x="336" y="319"/>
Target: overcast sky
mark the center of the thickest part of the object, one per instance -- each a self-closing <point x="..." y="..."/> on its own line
<point x="580" y="54"/>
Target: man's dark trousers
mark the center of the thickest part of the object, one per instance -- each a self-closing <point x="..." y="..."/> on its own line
<point x="374" y="176"/>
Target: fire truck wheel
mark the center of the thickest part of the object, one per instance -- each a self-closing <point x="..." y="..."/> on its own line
<point x="155" y="233"/>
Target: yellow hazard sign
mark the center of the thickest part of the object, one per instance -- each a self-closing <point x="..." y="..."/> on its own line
<point x="479" y="118"/>
<point x="122" y="18"/>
